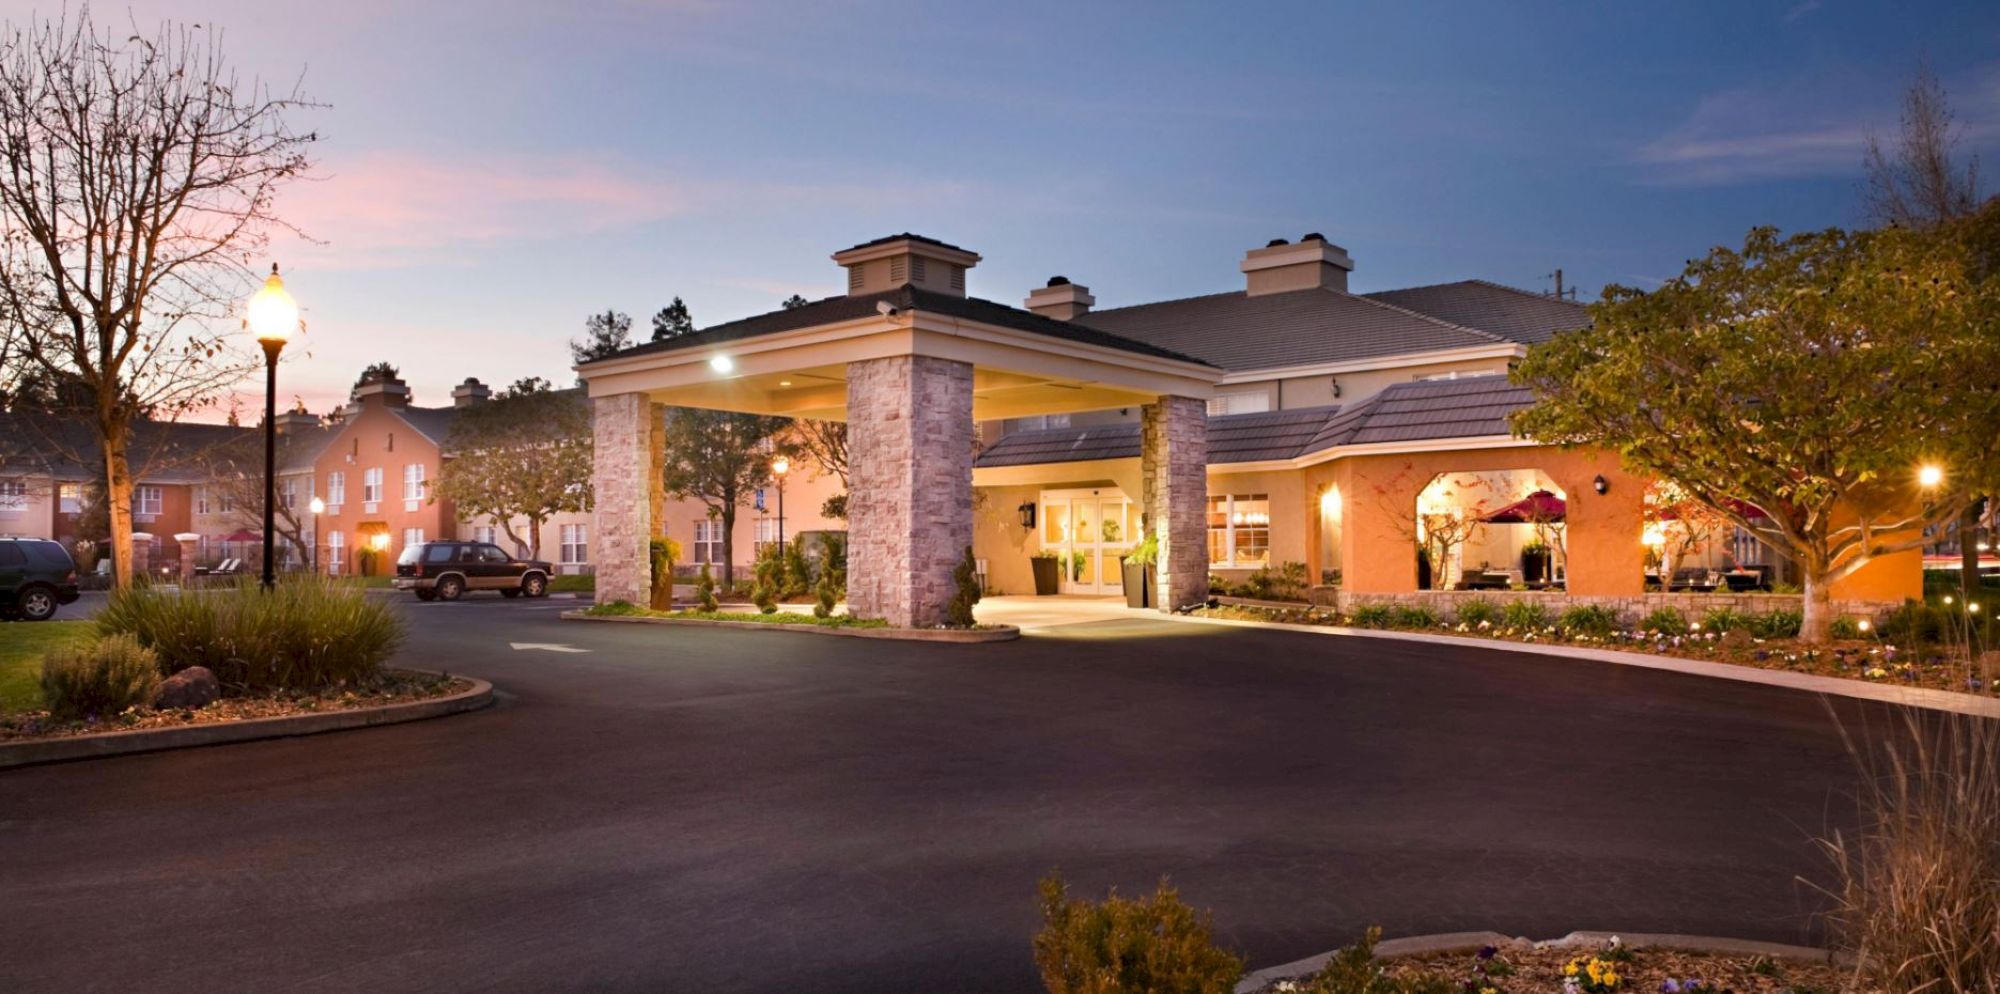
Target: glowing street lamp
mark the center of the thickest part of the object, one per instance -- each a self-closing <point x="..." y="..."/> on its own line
<point x="318" y="507"/>
<point x="273" y="316"/>
<point x="779" y="467"/>
<point x="1929" y="476"/>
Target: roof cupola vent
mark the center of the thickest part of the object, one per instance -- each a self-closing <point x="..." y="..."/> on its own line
<point x="1281" y="267"/>
<point x="905" y="260"/>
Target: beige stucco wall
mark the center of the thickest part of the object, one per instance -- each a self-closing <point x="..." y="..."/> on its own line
<point x="31" y="515"/>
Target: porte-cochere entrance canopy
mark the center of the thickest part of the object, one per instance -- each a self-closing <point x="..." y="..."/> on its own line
<point x="910" y="363"/>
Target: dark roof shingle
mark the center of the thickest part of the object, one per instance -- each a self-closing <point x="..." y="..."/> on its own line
<point x="1231" y="438"/>
<point x="1467" y="407"/>
<point x="1302" y="327"/>
<point x="1528" y="318"/>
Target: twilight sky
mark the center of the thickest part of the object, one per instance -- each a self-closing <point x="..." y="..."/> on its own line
<point x="492" y="172"/>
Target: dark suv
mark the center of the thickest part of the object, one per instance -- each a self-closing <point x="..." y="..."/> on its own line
<point x="446" y="570"/>
<point x="35" y="576"/>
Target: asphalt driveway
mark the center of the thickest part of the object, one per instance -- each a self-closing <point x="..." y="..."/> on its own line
<point x="703" y="810"/>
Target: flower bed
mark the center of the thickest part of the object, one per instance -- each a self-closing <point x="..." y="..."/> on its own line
<point x="389" y="687"/>
<point x="623" y="609"/>
<point x="1860" y="657"/>
<point x="1529" y="968"/>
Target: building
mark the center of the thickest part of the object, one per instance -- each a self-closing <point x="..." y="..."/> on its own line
<point x="1288" y="420"/>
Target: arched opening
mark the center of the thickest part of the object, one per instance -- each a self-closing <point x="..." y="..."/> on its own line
<point x="1492" y="530"/>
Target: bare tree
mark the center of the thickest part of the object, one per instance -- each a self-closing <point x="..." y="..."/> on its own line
<point x="1920" y="183"/>
<point x="137" y="181"/>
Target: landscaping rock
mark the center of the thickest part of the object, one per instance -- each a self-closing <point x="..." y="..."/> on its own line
<point x="189" y="690"/>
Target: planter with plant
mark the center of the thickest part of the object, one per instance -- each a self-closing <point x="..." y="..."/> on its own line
<point x="1048" y="572"/>
<point x="1138" y="571"/>
<point x="1535" y="562"/>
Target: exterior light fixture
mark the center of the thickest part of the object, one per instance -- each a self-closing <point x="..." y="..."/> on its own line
<point x="273" y="316"/>
<point x="1027" y="515"/>
<point x="1863" y="625"/>
<point x="1929" y="476"/>
<point x="1972" y="606"/>
<point x="1601" y="485"/>
<point x="380" y="541"/>
<point x="1333" y="383"/>
<point x="1947" y="598"/>
<point x="779" y="467"/>
<point x="722" y="364"/>
<point x="317" y="507"/>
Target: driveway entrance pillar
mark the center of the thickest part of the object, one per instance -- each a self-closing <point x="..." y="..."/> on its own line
<point x="1173" y="458"/>
<point x="625" y="478"/>
<point x="909" y="503"/>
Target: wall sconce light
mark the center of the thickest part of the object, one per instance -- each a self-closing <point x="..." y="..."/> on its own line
<point x="1027" y="515"/>
<point x="1601" y="485"/>
<point x="1333" y="383"/>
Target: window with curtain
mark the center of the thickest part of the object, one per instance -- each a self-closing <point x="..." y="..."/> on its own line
<point x="1239" y="531"/>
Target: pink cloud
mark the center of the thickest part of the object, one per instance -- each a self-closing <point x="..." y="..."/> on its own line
<point x="395" y="208"/>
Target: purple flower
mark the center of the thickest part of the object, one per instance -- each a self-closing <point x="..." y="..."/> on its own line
<point x="1488" y="952"/>
<point x="1671" y="986"/>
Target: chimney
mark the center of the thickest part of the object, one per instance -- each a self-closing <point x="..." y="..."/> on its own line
<point x="469" y="393"/>
<point x="296" y="420"/>
<point x="1061" y="299"/>
<point x="1280" y="267"/>
<point x="387" y="391"/>
<point x="888" y="263"/>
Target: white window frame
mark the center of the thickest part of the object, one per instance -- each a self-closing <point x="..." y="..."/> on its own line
<point x="1240" y="402"/>
<point x="766" y="535"/>
<point x="288" y="492"/>
<point x="707" y="545"/>
<point x="201" y="500"/>
<point x="413" y="486"/>
<point x="371" y="489"/>
<point x="412" y="536"/>
<point x="148" y="499"/>
<point x="336" y="491"/>
<point x="69" y="498"/>
<point x="574" y="545"/>
<point x="336" y="548"/>
<point x="1231" y="523"/>
<point x="485" y="533"/>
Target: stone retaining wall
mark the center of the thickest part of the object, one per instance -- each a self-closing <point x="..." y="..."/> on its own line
<point x="1446" y="602"/>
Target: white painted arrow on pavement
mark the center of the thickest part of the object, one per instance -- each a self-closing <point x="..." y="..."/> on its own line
<point x="546" y="646"/>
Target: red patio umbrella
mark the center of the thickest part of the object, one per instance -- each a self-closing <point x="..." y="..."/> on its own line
<point x="243" y="535"/>
<point x="1541" y="505"/>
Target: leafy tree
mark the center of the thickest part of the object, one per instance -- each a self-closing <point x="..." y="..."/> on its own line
<point x="525" y="454"/>
<point x="603" y="334"/>
<point x="794" y="302"/>
<point x="138" y="181"/>
<point x="672" y="321"/>
<point x="1809" y="376"/>
<point x="1921" y="183"/>
<point x="719" y="458"/>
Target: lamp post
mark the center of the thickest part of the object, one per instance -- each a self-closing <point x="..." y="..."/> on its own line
<point x="318" y="507"/>
<point x="779" y="467"/>
<point x="273" y="317"/>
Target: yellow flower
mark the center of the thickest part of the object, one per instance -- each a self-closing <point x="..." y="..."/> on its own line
<point x="1570" y="970"/>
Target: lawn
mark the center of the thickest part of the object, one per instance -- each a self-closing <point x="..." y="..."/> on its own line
<point x="21" y="646"/>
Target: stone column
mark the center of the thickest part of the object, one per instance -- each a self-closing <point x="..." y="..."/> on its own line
<point x="187" y="542"/>
<point x="624" y="479"/>
<point x="1173" y="457"/>
<point x="909" y="503"/>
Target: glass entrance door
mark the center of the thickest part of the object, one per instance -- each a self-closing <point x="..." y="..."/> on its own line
<point x="1091" y="533"/>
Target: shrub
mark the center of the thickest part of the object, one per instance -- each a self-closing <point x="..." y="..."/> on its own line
<point x="615" y="609"/>
<point x="1722" y="619"/>
<point x="1372" y="616"/>
<point x="832" y="583"/>
<point x="101" y="679"/>
<point x="769" y="578"/>
<point x="1596" y="620"/>
<point x="1474" y="611"/>
<point x="1846" y="628"/>
<point x="1665" y="620"/>
<point x="796" y="577"/>
<point x="1152" y="945"/>
<point x="1416" y="616"/>
<point x="1781" y="624"/>
<point x="958" y="614"/>
<point x="1355" y="970"/>
<point x="1525" y="614"/>
<point x="306" y="632"/>
<point x="704" y="589"/>
<point x="1916" y="889"/>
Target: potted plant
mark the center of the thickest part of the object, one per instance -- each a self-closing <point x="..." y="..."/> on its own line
<point x="1048" y="572"/>
<point x="1423" y="568"/>
<point x="1535" y="562"/>
<point x="1137" y="570"/>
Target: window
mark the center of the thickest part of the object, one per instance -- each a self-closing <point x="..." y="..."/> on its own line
<point x="1041" y="421"/>
<point x="371" y="486"/>
<point x="412" y="537"/>
<point x="288" y="493"/>
<point x="336" y="545"/>
<point x="1239" y="531"/>
<point x="13" y="492"/>
<point x="575" y="545"/>
<point x="439" y="553"/>
<point x="336" y="491"/>
<point x="707" y="541"/>
<point x="483" y="533"/>
<point x="767" y="533"/>
<point x="71" y="497"/>
<point x="1242" y="402"/>
<point x="147" y="500"/>
<point x="413" y="485"/>
<point x="201" y="500"/>
<point x="489" y="553"/>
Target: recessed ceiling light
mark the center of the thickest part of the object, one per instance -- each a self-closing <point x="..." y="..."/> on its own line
<point x="721" y="364"/>
<point x="784" y="383"/>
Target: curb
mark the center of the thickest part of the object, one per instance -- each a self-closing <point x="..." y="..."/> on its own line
<point x="1466" y="942"/>
<point x="1002" y="633"/>
<point x="103" y="744"/>
<point x="1916" y="697"/>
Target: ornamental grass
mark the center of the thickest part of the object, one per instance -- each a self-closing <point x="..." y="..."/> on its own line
<point x="307" y="632"/>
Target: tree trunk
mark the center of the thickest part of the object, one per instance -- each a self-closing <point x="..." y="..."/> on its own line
<point x="1968" y="551"/>
<point x="1817" y="626"/>
<point x="729" y="547"/>
<point x="534" y="538"/>
<point x="118" y="503"/>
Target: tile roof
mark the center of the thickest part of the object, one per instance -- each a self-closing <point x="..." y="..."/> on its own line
<point x="1231" y="438"/>
<point x="1467" y="407"/>
<point x="906" y="297"/>
<point x="1528" y="318"/>
<point x="159" y="451"/>
<point x="1299" y="328"/>
<point x="886" y="239"/>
